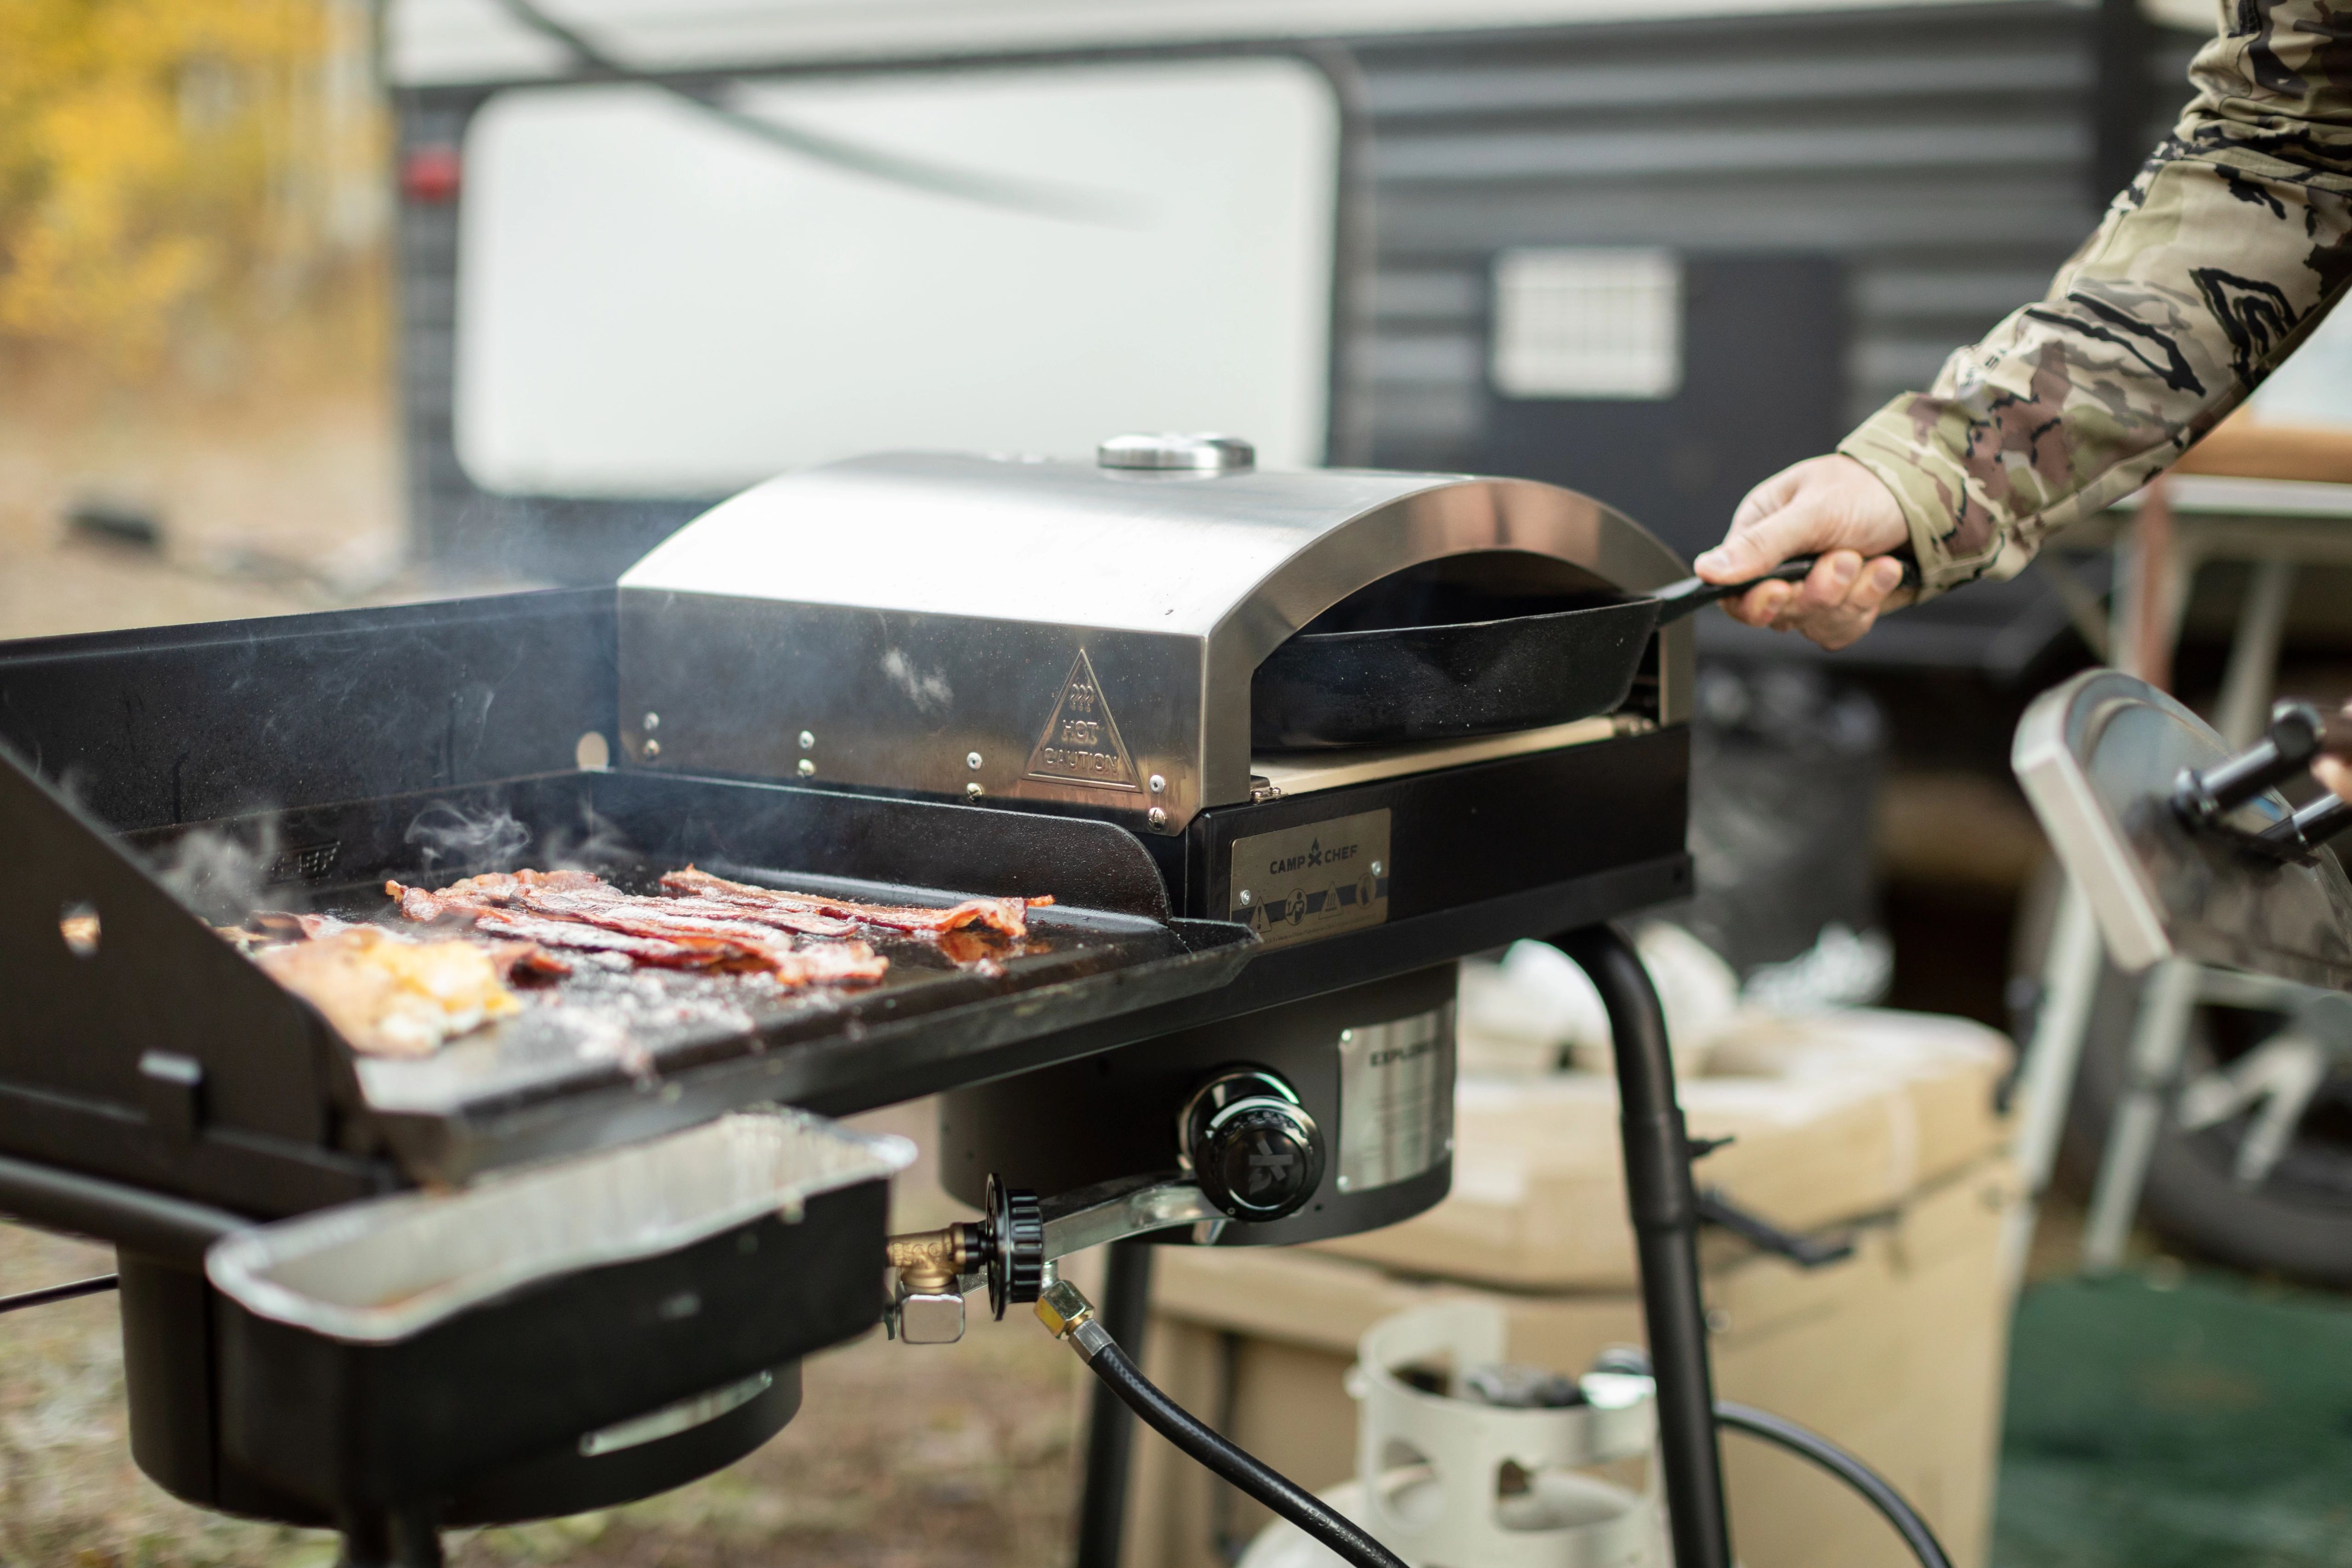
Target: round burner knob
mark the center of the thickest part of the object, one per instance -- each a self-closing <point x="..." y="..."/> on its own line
<point x="1015" y="1244"/>
<point x="1192" y="451"/>
<point x="1252" y="1146"/>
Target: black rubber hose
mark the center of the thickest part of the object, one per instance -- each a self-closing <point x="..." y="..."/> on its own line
<point x="42" y="1298"/>
<point x="1334" y="1530"/>
<point x="1874" y="1488"/>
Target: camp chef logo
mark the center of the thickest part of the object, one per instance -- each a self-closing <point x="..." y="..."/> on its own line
<point x="1313" y="858"/>
<point x="1314" y="881"/>
<point x="1269" y="1165"/>
<point x="1081" y="744"/>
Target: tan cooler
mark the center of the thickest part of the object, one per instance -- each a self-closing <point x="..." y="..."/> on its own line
<point x="1879" y="1120"/>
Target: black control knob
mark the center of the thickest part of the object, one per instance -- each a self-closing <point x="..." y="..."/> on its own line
<point x="1015" y="1246"/>
<point x="1252" y="1148"/>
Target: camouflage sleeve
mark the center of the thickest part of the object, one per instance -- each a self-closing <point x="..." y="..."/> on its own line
<point x="2233" y="241"/>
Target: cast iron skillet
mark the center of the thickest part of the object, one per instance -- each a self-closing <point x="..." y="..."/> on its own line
<point x="1391" y="685"/>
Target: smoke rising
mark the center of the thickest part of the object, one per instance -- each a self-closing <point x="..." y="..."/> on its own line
<point x="594" y="847"/>
<point x="217" y="874"/>
<point x="447" y="834"/>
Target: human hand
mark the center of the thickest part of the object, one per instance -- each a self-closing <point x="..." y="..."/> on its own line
<point x="1831" y="506"/>
<point x="2336" y="775"/>
<point x="2330" y="767"/>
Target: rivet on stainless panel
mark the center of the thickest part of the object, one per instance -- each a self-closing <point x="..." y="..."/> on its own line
<point x="1200" y="451"/>
<point x="972" y="759"/>
<point x="808" y="769"/>
<point x="650" y="750"/>
<point x="1158" y="784"/>
<point x="807" y="741"/>
<point x="1158" y="818"/>
<point x="1245" y="898"/>
<point x="653" y="722"/>
<point x="974" y="790"/>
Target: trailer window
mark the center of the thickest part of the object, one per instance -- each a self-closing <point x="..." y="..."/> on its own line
<point x="654" y="300"/>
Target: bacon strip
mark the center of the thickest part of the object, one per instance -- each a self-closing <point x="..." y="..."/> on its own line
<point x="490" y="887"/>
<point x="526" y="961"/>
<point x="1009" y="916"/>
<point x="579" y="910"/>
<point x="653" y="951"/>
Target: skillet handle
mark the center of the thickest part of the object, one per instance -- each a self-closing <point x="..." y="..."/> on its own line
<point x="1677" y="600"/>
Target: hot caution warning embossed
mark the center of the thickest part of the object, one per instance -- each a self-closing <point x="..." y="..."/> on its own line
<point x="1316" y="881"/>
<point x="1081" y="742"/>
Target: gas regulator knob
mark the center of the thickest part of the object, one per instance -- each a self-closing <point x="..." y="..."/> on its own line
<point x="1013" y="1240"/>
<point x="1252" y="1148"/>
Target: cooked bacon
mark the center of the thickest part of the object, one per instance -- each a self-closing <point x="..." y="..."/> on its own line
<point x="821" y="962"/>
<point x="651" y="917"/>
<point x="799" y="922"/>
<point x="655" y="951"/>
<point x="490" y="887"/>
<point x="522" y="960"/>
<point x="1009" y="916"/>
<point x="580" y="911"/>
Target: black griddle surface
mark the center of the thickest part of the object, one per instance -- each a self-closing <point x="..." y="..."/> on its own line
<point x="637" y="1023"/>
<point x="607" y="1054"/>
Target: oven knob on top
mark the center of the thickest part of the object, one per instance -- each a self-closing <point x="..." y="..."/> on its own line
<point x="1199" y="451"/>
<point x="1252" y="1148"/>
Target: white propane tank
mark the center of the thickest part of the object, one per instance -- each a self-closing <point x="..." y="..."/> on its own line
<point x="1452" y="1480"/>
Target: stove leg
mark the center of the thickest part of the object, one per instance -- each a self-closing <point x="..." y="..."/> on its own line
<point x="1124" y="1309"/>
<point x="1665" y="1229"/>
<point x="390" y="1538"/>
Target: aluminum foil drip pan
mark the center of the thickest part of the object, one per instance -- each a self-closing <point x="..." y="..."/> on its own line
<point x="376" y="1272"/>
<point x="396" y="1349"/>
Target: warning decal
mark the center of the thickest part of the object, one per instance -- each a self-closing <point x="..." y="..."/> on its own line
<point x="1315" y="880"/>
<point x="1081" y="742"/>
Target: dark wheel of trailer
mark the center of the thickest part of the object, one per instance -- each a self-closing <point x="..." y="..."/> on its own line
<point x="2297" y="1220"/>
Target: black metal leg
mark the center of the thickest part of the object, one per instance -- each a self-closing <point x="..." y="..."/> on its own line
<point x="390" y="1538"/>
<point x="1665" y="1230"/>
<point x="1123" y="1309"/>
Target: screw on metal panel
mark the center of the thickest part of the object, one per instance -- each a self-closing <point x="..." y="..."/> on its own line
<point x="650" y="750"/>
<point x="972" y="759"/>
<point x="653" y="722"/>
<point x="1378" y="867"/>
<point x="1347" y="1034"/>
<point x="1158" y="818"/>
<point x="807" y="740"/>
<point x="1158" y="784"/>
<point x="1244" y="898"/>
<point x="974" y="790"/>
<point x="1345" y="1183"/>
<point x="808" y="769"/>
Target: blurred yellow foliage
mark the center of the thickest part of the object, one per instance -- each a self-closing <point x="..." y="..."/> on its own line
<point x="170" y="168"/>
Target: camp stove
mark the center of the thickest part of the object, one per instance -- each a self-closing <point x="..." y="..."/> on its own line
<point x="910" y="680"/>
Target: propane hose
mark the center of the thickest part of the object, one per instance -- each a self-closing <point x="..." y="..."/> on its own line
<point x="1064" y="1310"/>
<point x="1874" y="1488"/>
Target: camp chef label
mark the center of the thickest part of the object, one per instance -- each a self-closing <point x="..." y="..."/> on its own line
<point x="1312" y="881"/>
<point x="1396" y="1100"/>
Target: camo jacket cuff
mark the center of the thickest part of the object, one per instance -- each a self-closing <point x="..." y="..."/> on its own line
<point x="1932" y="488"/>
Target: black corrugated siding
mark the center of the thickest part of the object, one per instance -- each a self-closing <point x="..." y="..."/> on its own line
<point x="1946" y="154"/>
